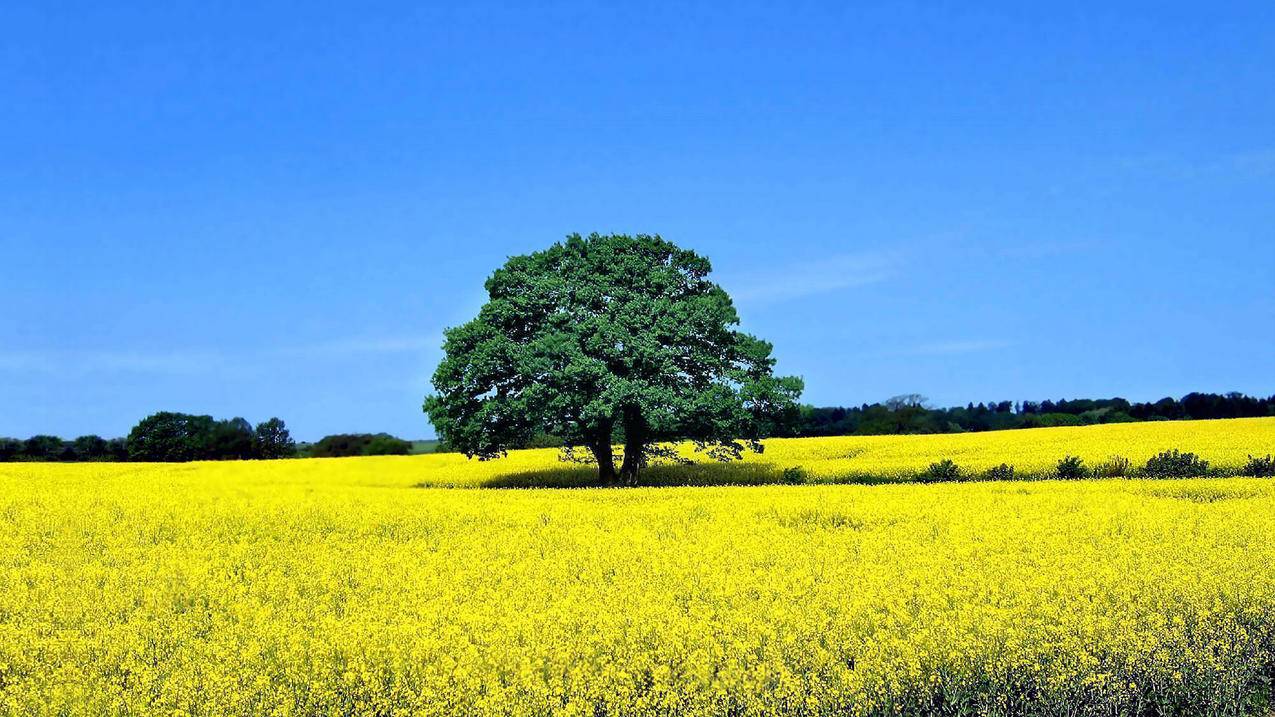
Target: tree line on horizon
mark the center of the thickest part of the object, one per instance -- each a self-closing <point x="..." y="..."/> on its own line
<point x="910" y="414"/>
<point x="170" y="437"/>
<point x="165" y="437"/>
<point x="177" y="437"/>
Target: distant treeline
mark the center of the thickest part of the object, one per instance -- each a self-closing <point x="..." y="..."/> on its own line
<point x="357" y="444"/>
<point x="169" y="437"/>
<point x="910" y="414"/>
<point x="164" y="437"/>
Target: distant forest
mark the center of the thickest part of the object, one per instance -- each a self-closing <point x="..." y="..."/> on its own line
<point x="910" y="414"/>
<point x="181" y="437"/>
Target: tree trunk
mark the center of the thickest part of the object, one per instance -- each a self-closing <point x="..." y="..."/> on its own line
<point x="605" y="457"/>
<point x="634" y="441"/>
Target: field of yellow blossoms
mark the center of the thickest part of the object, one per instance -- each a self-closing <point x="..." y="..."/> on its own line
<point x="354" y="586"/>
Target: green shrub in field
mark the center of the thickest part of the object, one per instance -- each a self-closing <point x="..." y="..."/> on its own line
<point x="944" y="470"/>
<point x="1071" y="467"/>
<point x="1003" y="471"/>
<point x="1113" y="467"/>
<point x="1175" y="464"/>
<point x="795" y="475"/>
<point x="1259" y="467"/>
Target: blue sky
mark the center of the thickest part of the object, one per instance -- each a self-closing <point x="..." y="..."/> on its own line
<point x="238" y="210"/>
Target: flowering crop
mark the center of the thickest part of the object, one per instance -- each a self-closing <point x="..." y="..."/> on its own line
<point x="1034" y="453"/>
<point x="336" y="586"/>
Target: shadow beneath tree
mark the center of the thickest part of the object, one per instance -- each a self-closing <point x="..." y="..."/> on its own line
<point x="699" y="474"/>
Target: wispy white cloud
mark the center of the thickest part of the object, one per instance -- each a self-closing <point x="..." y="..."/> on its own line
<point x="791" y="281"/>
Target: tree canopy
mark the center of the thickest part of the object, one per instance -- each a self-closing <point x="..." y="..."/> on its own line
<point x="602" y="338"/>
<point x="174" y="437"/>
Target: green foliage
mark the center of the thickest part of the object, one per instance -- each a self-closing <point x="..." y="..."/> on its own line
<point x="1174" y="464"/>
<point x="359" y="444"/>
<point x="1113" y="467"/>
<point x="170" y="437"/>
<point x="383" y="444"/>
<point x="176" y="437"/>
<point x="340" y="445"/>
<point x="1071" y="467"/>
<point x="10" y="449"/>
<point x="1051" y="420"/>
<point x="1259" y="467"/>
<point x="909" y="414"/>
<point x="796" y="475"/>
<point x="91" y="448"/>
<point x="1003" y="471"/>
<point x="43" y="448"/>
<point x="273" y="440"/>
<point x="230" y="440"/>
<point x="944" y="470"/>
<point x="605" y="337"/>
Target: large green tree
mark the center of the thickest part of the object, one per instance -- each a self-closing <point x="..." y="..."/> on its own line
<point x="605" y="338"/>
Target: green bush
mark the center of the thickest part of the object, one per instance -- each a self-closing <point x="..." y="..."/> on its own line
<point x="1113" y="467"/>
<point x="44" y="448"/>
<point x="359" y="444"/>
<point x="795" y="475"/>
<point x="1003" y="471"/>
<point x="1071" y="467"/>
<point x="92" y="448"/>
<point x="1175" y="464"/>
<point x="1259" y="467"/>
<point x="944" y="470"/>
<point x="383" y="444"/>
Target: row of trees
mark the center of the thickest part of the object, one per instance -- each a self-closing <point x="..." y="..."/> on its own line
<point x="53" y="448"/>
<point x="176" y="437"/>
<point x="911" y="414"/>
<point x="168" y="437"/>
<point x="164" y="437"/>
<point x="342" y="445"/>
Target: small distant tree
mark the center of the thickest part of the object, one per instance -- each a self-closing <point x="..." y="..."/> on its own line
<point x="91" y="448"/>
<point x="231" y="439"/>
<point x="602" y="338"/>
<point x="1003" y="471"/>
<point x="944" y="470"/>
<point x="273" y="440"/>
<point x="1071" y="467"/>
<point x="118" y="449"/>
<point x="1259" y="467"/>
<point x="10" y="449"/>
<point x="340" y="445"/>
<point x="170" y="437"/>
<point x="43" y="448"/>
<point x="1175" y="464"/>
<point x="359" y="444"/>
<point x="383" y="444"/>
<point x="908" y="400"/>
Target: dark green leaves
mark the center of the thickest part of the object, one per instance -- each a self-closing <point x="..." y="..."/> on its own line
<point x="607" y="336"/>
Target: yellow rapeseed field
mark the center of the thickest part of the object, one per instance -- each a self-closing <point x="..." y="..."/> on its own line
<point x="339" y="586"/>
